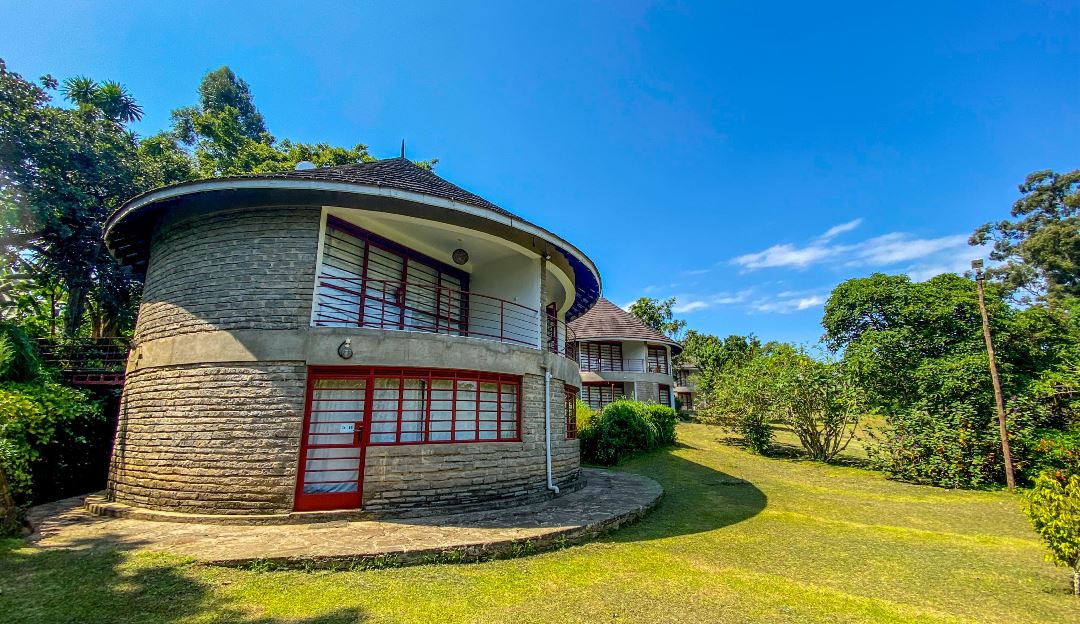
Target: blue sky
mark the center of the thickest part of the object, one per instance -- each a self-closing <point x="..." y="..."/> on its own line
<point x="744" y="157"/>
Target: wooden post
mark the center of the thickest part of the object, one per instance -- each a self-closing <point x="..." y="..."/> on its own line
<point x="1010" y="477"/>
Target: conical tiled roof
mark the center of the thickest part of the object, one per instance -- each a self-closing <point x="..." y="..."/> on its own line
<point x="399" y="173"/>
<point x="607" y="321"/>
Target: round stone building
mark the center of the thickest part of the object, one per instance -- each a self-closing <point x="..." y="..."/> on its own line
<point x="364" y="337"/>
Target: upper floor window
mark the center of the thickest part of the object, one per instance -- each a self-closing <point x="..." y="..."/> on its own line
<point x="657" y="362"/>
<point x="368" y="281"/>
<point x="600" y="356"/>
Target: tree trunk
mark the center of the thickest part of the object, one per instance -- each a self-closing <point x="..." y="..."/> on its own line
<point x="74" y="311"/>
<point x="1076" y="580"/>
<point x="9" y="520"/>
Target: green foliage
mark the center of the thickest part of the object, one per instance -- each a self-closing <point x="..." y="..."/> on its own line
<point x="585" y="415"/>
<point x="623" y="429"/>
<point x="19" y="359"/>
<point x="953" y="446"/>
<point x="229" y="135"/>
<point x="64" y="171"/>
<point x="1039" y="251"/>
<point x="916" y="350"/>
<point x="663" y="420"/>
<point x="742" y="403"/>
<point x="1053" y="506"/>
<point x="34" y="416"/>
<point x="816" y="399"/>
<point x="1054" y="450"/>
<point x="657" y="315"/>
<point x="714" y="357"/>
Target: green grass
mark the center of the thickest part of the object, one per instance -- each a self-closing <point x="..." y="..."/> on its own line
<point x="737" y="538"/>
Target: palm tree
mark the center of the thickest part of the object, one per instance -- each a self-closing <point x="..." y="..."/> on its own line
<point x="110" y="97"/>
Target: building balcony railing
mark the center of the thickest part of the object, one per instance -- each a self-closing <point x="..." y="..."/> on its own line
<point x="601" y="365"/>
<point x="425" y="307"/>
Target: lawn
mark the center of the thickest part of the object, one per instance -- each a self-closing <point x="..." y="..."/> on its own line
<point x="737" y="538"/>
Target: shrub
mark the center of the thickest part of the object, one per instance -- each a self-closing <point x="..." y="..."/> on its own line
<point x="741" y="404"/>
<point x="34" y="419"/>
<point x="623" y="429"/>
<point x="1053" y="450"/>
<point x="955" y="447"/>
<point x="663" y="420"/>
<point x="1053" y="506"/>
<point x="19" y="359"/>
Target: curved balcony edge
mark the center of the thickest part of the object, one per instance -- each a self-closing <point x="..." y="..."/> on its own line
<point x="319" y="346"/>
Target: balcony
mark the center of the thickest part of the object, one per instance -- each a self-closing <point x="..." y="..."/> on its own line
<point x="600" y="365"/>
<point x="426" y="307"/>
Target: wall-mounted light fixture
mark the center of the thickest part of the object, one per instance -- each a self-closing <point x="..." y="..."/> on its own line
<point x="460" y="256"/>
<point x="345" y="349"/>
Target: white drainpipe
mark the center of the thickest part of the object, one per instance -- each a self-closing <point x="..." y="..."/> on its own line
<point x="547" y="429"/>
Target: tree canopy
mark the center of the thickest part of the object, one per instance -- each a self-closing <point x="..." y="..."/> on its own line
<point x="63" y="170"/>
<point x="1039" y="249"/>
<point x="228" y="134"/>
<point x="658" y="315"/>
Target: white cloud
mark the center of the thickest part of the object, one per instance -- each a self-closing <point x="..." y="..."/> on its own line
<point x="880" y="251"/>
<point x="837" y="230"/>
<point x="786" y="255"/>
<point x="786" y="303"/>
<point x="898" y="247"/>
<point x="689" y="306"/>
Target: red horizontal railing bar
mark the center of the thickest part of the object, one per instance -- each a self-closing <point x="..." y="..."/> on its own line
<point x="402" y="305"/>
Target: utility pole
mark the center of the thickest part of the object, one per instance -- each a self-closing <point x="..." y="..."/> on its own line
<point x="1010" y="477"/>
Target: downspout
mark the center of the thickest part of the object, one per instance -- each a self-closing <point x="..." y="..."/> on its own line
<point x="547" y="429"/>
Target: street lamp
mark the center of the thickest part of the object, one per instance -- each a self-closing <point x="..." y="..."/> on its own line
<point x="1010" y="477"/>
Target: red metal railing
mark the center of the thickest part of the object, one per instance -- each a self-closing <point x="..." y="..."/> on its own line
<point x="87" y="361"/>
<point x="600" y="364"/>
<point x="426" y="307"/>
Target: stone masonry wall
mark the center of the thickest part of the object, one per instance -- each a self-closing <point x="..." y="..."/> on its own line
<point x="464" y="474"/>
<point x="223" y="438"/>
<point x="249" y="269"/>
<point x="218" y="438"/>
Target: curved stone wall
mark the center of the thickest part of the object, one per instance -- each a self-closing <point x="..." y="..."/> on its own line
<point x="250" y="269"/>
<point x="214" y="398"/>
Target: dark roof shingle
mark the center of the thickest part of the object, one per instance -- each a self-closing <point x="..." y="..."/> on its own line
<point x="607" y="320"/>
<point x="399" y="173"/>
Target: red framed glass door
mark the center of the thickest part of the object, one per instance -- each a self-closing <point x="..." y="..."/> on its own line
<point x="331" y="471"/>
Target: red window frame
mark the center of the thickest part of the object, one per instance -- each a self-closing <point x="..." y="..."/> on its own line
<point x="664" y="393"/>
<point x="429" y="375"/>
<point x="657" y="362"/>
<point x="380" y="292"/>
<point x="571" y="412"/>
<point x="600" y="356"/>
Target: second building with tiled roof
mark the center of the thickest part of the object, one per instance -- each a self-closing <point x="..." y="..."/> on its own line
<point x="620" y="356"/>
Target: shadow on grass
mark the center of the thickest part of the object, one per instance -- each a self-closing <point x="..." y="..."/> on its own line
<point x="793" y="452"/>
<point x="97" y="580"/>
<point x="697" y="498"/>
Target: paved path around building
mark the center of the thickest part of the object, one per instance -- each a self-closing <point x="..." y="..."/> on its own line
<point x="608" y="500"/>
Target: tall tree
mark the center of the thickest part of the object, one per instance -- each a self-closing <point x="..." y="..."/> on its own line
<point x="658" y="315"/>
<point x="1039" y="249"/>
<point x="62" y="172"/>
<point x="229" y="137"/>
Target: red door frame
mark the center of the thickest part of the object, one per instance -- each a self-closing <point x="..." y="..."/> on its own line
<point x="333" y="500"/>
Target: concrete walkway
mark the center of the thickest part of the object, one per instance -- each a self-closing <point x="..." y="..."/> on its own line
<point x="608" y="500"/>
